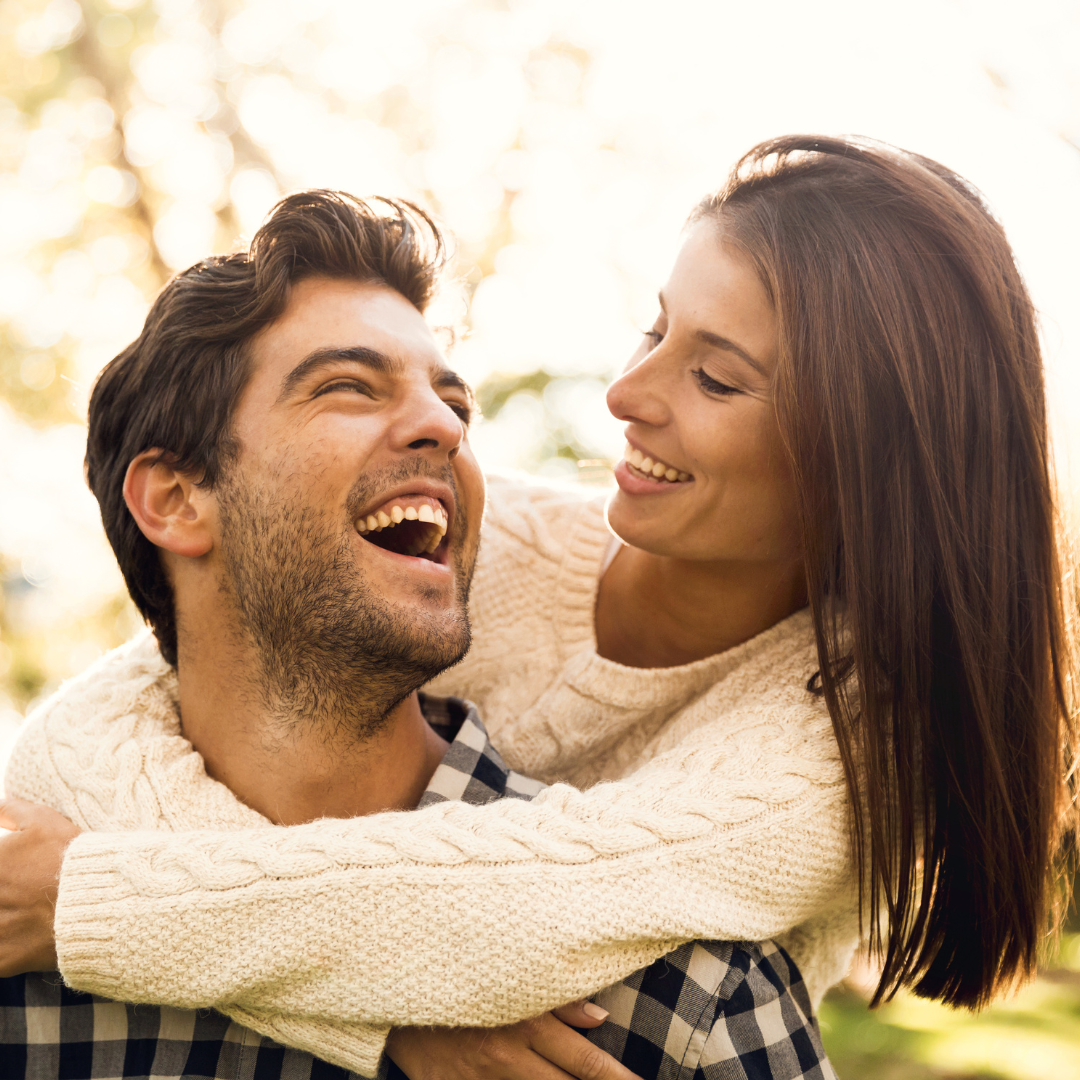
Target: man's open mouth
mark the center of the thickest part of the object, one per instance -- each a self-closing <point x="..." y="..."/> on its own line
<point x="408" y="525"/>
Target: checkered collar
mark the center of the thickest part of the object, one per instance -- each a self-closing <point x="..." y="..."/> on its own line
<point x="472" y="771"/>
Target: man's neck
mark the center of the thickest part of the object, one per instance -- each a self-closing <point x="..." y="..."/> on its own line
<point x="297" y="772"/>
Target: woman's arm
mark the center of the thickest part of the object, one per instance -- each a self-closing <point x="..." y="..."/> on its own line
<point x="32" y="843"/>
<point x="324" y="936"/>
<point x="456" y="914"/>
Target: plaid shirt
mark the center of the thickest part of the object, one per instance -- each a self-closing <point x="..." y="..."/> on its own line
<point x="710" y="1010"/>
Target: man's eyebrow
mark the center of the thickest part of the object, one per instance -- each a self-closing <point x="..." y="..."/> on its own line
<point x="718" y="342"/>
<point x="372" y="359"/>
<point x="447" y="379"/>
<point x="443" y="378"/>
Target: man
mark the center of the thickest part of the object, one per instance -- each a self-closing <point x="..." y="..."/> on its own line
<point x="284" y="474"/>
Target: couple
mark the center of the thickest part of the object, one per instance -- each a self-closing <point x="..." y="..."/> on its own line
<point x="824" y="663"/>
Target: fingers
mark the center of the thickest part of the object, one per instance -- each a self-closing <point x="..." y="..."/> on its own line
<point x="18" y="814"/>
<point x="543" y="1048"/>
<point x="50" y="825"/>
<point x="581" y="1014"/>
<point x="534" y="1066"/>
<point x="31" y="854"/>
<point x="573" y="1053"/>
<point x="13" y="813"/>
<point x="469" y="1054"/>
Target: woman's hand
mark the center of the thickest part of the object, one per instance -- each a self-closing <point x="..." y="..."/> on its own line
<point x="543" y="1048"/>
<point x="30" y="857"/>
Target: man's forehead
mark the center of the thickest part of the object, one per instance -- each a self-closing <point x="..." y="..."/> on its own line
<point x="325" y="311"/>
<point x="366" y="323"/>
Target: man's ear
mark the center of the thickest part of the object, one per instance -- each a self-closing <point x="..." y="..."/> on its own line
<point x="172" y="511"/>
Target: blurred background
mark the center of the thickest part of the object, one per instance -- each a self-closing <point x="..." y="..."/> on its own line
<point x="563" y="142"/>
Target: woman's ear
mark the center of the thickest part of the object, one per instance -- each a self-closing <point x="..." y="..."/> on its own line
<point x="172" y="511"/>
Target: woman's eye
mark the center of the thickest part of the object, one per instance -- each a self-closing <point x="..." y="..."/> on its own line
<point x="654" y="336"/>
<point x="712" y="386"/>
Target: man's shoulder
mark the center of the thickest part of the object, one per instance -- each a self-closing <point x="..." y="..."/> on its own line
<point x="60" y="740"/>
<point x="108" y="752"/>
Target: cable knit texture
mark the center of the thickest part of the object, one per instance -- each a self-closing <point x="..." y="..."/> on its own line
<point x="704" y="801"/>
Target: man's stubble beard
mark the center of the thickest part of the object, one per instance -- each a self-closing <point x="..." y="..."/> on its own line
<point x="333" y="653"/>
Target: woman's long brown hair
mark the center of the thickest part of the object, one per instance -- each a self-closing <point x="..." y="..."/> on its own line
<point x="910" y="395"/>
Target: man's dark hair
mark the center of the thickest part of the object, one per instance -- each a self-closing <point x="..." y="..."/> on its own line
<point x="175" y="387"/>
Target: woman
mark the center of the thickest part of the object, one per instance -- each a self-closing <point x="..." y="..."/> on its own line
<point x="828" y="662"/>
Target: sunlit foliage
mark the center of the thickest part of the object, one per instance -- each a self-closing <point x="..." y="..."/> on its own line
<point x="135" y="138"/>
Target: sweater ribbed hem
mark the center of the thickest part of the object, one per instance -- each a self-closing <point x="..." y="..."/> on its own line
<point x="88" y="947"/>
<point x="355" y="1047"/>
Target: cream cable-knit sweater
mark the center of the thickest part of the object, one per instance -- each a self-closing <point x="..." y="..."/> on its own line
<point x="724" y="816"/>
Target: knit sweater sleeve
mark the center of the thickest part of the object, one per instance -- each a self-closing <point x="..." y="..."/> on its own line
<point x="460" y="914"/>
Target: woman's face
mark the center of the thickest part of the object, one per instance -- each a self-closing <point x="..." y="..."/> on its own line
<point x="696" y="398"/>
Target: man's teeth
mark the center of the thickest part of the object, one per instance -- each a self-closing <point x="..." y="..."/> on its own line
<point x="382" y="519"/>
<point x="658" y="470"/>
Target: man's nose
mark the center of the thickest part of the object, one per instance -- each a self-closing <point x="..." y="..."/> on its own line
<point x="428" y="423"/>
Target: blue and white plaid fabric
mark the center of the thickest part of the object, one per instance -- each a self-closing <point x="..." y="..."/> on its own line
<point x="714" y="1010"/>
<point x="707" y="1011"/>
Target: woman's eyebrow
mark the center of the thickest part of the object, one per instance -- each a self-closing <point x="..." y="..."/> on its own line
<point x="718" y="342"/>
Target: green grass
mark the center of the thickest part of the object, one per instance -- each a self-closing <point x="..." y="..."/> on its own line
<point x="1033" y="1035"/>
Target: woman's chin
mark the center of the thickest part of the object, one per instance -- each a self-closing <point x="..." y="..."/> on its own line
<point x="638" y="527"/>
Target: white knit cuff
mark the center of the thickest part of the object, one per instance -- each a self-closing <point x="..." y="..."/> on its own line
<point x="88" y="946"/>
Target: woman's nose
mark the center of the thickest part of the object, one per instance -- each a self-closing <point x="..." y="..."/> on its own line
<point x="637" y="396"/>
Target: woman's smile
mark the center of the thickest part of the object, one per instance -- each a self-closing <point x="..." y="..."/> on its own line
<point x="651" y="467"/>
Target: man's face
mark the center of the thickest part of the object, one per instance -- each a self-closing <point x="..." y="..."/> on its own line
<point x="349" y="522"/>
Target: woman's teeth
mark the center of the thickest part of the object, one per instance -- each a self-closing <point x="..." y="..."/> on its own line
<point x="656" y="470"/>
<point x="388" y="519"/>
